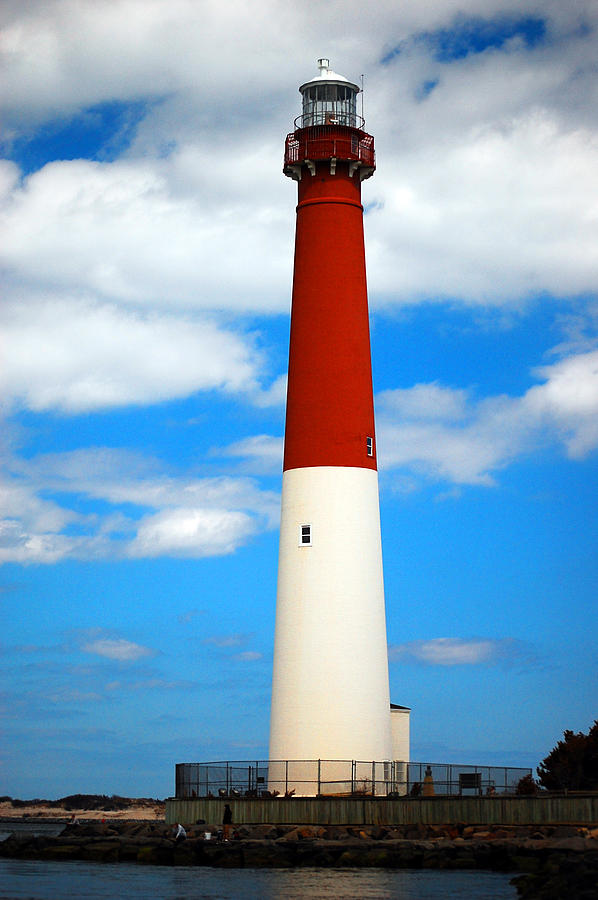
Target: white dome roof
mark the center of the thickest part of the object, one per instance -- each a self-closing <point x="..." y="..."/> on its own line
<point x="327" y="74"/>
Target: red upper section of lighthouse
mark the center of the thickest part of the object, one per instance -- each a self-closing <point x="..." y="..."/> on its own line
<point x="330" y="411"/>
<point x="330" y="408"/>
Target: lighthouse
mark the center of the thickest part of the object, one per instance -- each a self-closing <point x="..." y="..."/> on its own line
<point x="330" y="691"/>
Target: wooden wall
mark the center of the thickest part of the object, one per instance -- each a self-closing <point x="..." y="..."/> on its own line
<point x="430" y="810"/>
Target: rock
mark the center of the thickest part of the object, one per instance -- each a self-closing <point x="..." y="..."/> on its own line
<point x="57" y="852"/>
<point x="157" y="854"/>
<point x="262" y="854"/>
<point x="101" y="851"/>
<point x="261" y="832"/>
<point x="574" y="877"/>
<point x="576" y="844"/>
<point x="350" y="858"/>
<point x="304" y="833"/>
<point x="564" y="831"/>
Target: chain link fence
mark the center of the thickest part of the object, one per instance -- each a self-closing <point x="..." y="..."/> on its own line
<point x="343" y="778"/>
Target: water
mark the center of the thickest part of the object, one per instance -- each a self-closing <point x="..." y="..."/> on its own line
<point x="38" y="880"/>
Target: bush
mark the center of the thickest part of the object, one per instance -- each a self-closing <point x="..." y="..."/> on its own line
<point x="527" y="787"/>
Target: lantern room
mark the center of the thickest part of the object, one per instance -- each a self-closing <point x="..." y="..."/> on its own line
<point x="329" y="99"/>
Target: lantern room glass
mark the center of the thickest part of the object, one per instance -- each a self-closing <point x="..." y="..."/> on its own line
<point x="329" y="104"/>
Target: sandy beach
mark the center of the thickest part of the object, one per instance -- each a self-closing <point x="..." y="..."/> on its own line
<point x="138" y="811"/>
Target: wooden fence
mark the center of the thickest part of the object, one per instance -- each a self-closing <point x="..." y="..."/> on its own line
<point x="497" y="810"/>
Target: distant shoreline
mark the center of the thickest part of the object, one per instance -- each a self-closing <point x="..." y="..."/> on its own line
<point x="138" y="810"/>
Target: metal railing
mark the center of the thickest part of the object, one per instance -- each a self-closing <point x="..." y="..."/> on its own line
<point x="343" y="778"/>
<point x="328" y="142"/>
<point x="329" y="117"/>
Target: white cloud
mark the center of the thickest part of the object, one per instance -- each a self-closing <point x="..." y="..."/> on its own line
<point x="498" y="214"/>
<point x="162" y="514"/>
<point x="425" y="402"/>
<point x="191" y="532"/>
<point x="484" y="191"/>
<point x="79" y="357"/>
<point x="148" y="232"/>
<point x="569" y="399"/>
<point x="19" y="544"/>
<point x="73" y="53"/>
<point x="456" y="651"/>
<point x="275" y="395"/>
<point x="261" y="452"/>
<point x="117" y="648"/>
<point x="467" y="441"/>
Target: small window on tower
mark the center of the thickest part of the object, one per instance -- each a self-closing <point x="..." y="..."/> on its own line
<point x="369" y="442"/>
<point x="305" y="536"/>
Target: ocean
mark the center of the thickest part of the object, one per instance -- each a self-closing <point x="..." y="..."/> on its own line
<point x="39" y="880"/>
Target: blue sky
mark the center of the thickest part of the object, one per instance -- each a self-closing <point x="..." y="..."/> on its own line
<point x="147" y="246"/>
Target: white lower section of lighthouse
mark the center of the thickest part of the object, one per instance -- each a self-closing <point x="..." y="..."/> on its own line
<point x="330" y="694"/>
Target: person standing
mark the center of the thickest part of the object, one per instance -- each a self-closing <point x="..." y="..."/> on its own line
<point x="227" y="820"/>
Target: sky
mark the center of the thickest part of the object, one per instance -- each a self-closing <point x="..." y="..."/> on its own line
<point x="146" y="257"/>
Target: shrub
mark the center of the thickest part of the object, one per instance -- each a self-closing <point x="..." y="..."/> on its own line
<point x="527" y="786"/>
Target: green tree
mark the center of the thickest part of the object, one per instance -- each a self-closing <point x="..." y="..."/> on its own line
<point x="573" y="764"/>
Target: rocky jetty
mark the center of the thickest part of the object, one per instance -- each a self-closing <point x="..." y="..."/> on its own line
<point x="553" y="861"/>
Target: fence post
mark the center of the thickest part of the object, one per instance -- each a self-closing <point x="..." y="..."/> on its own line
<point x="352" y="776"/>
<point x="286" y="776"/>
<point x="373" y="778"/>
<point x="319" y="776"/>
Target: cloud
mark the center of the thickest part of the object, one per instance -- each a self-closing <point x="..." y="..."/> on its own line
<point x="275" y="395"/>
<point x="148" y="684"/>
<point x="445" y="230"/>
<point x="483" y="196"/>
<point x="445" y="434"/>
<point x="261" y="453"/>
<point x="569" y="400"/>
<point x="18" y="544"/>
<point x="226" y="640"/>
<point x="146" y="232"/>
<point x="76" y="356"/>
<point x="118" y="649"/>
<point x="68" y="696"/>
<point x="248" y="656"/>
<point x="146" y="512"/>
<point x="456" y="651"/>
<point x="425" y="402"/>
<point x="191" y="532"/>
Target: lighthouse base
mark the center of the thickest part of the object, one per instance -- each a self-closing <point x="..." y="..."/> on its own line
<point x="330" y="696"/>
<point x="332" y="778"/>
